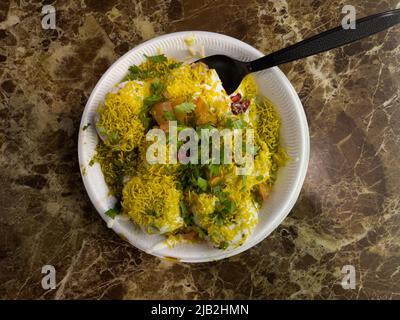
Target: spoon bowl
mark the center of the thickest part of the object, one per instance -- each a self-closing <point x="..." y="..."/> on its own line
<point x="230" y="71"/>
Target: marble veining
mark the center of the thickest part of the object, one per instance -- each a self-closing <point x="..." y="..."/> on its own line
<point x="348" y="210"/>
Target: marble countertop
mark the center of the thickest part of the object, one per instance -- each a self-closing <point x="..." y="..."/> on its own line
<point x="348" y="210"/>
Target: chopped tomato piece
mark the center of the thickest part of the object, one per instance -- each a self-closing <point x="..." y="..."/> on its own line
<point x="202" y="113"/>
<point x="158" y="112"/>
<point x="159" y="109"/>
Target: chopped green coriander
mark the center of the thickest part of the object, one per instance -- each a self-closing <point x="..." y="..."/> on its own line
<point x="214" y="169"/>
<point x="174" y="65"/>
<point x="111" y="135"/>
<point x="224" y="245"/>
<point x="187" y="216"/>
<point x="244" y="181"/>
<point x="202" y="183"/>
<point x="202" y="234"/>
<point x="169" y="115"/>
<point x="157" y="58"/>
<point x="135" y="73"/>
<point x="112" y="213"/>
<point x="156" y="95"/>
<point x="185" y="107"/>
<point x="236" y="124"/>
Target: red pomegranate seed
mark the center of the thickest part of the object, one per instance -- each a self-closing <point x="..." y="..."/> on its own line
<point x="236" y="107"/>
<point x="236" y="98"/>
<point x="245" y="105"/>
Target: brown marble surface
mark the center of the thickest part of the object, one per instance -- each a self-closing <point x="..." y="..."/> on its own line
<point x="348" y="211"/>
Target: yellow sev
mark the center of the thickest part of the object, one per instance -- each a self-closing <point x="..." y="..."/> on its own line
<point x="188" y="82"/>
<point x="248" y="86"/>
<point x="233" y="233"/>
<point x="119" y="119"/>
<point x="152" y="201"/>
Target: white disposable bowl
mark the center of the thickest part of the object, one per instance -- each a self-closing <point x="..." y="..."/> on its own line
<point x="294" y="138"/>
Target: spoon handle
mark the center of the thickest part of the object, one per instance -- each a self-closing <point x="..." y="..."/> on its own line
<point x="328" y="40"/>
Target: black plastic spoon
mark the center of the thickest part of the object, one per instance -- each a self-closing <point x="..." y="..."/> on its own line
<point x="231" y="71"/>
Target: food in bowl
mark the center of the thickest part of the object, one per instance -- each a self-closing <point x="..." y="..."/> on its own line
<point x="184" y="198"/>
